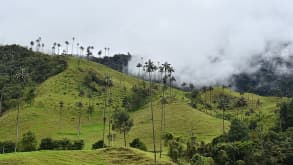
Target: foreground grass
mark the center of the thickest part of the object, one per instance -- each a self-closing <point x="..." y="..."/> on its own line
<point x="109" y="156"/>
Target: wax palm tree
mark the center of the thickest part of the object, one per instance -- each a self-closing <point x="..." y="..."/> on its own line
<point x="149" y="67"/>
<point x="32" y="44"/>
<point x="60" y="113"/>
<point x="100" y="53"/>
<point x="21" y="76"/>
<point x="79" y="105"/>
<point x="73" y="39"/>
<point x="67" y="44"/>
<point x="43" y="46"/>
<point x="170" y="71"/>
<point x="172" y="79"/>
<point x="139" y="65"/>
<point x="58" y="45"/>
<point x="223" y="105"/>
<point x="77" y="48"/>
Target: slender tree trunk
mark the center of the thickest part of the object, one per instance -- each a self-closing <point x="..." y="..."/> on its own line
<point x="161" y="130"/>
<point x="60" y="117"/>
<point x="223" y="122"/>
<point x="17" y="126"/>
<point x="124" y="135"/>
<point x="104" y="118"/>
<point x="1" y="98"/>
<point x="79" y="122"/>
<point x="162" y="119"/>
<point x="153" y="124"/>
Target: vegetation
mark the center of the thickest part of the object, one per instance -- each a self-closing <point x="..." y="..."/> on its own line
<point x="191" y="126"/>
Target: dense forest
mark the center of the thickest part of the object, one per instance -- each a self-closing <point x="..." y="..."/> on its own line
<point x="21" y="70"/>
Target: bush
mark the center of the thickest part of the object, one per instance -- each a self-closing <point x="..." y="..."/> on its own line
<point x="77" y="145"/>
<point x="136" y="143"/>
<point x="7" y="147"/>
<point x="98" y="144"/>
<point x="64" y="144"/>
<point x="29" y="142"/>
<point x="47" y="144"/>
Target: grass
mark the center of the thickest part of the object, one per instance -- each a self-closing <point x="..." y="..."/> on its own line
<point x="110" y="156"/>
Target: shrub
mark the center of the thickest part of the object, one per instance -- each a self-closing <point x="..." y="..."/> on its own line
<point x="77" y="145"/>
<point x="29" y="142"/>
<point x="98" y="144"/>
<point x="7" y="147"/>
<point x="47" y="144"/>
<point x="136" y="143"/>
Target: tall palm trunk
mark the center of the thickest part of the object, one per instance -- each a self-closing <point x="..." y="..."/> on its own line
<point x="162" y="119"/>
<point x="223" y="122"/>
<point x="60" y="117"/>
<point x="124" y="135"/>
<point x="153" y="124"/>
<point x="104" y="117"/>
<point x="1" y="98"/>
<point x="17" y="126"/>
<point x="79" y="122"/>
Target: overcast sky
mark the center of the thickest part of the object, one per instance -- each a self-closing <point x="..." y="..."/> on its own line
<point x="190" y="34"/>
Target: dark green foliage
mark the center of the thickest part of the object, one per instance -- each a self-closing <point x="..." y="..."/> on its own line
<point x="118" y="62"/>
<point x="92" y="80"/>
<point x="122" y="123"/>
<point x="7" y="147"/>
<point x="29" y="142"/>
<point x="223" y="102"/>
<point x="38" y="66"/>
<point x="77" y="145"/>
<point x="139" y="97"/>
<point x="286" y="114"/>
<point x="238" y="131"/>
<point x="176" y="149"/>
<point x="241" y="102"/>
<point x="64" y="144"/>
<point x="98" y="144"/>
<point x="47" y="144"/>
<point x="137" y="143"/>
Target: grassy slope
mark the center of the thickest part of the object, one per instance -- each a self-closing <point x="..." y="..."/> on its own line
<point x="43" y="116"/>
<point x="103" y="156"/>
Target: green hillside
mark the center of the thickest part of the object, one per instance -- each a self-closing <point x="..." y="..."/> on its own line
<point x="42" y="117"/>
<point x="94" y="157"/>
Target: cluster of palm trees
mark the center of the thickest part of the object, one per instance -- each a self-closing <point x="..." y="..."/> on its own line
<point x="165" y="72"/>
<point x="76" y="48"/>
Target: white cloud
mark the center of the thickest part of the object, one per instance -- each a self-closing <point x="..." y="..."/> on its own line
<point x="186" y="33"/>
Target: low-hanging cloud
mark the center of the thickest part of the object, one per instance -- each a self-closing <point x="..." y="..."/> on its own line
<point x="206" y="41"/>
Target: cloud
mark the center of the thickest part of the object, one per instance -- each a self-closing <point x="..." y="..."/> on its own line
<point x="206" y="40"/>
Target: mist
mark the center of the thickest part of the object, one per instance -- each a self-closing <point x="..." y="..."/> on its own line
<point x="206" y="41"/>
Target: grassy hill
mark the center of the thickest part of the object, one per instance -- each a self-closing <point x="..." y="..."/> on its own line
<point x="103" y="156"/>
<point x="42" y="117"/>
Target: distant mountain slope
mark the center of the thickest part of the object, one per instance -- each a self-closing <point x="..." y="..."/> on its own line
<point x="274" y="73"/>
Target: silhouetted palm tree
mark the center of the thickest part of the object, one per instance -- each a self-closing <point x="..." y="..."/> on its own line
<point x="58" y="45"/>
<point x="73" y="39"/>
<point x="139" y="65"/>
<point x="66" y="43"/>
<point x="21" y="76"/>
<point x="149" y="67"/>
<point x="60" y="113"/>
<point x="80" y="105"/>
<point x="32" y="44"/>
